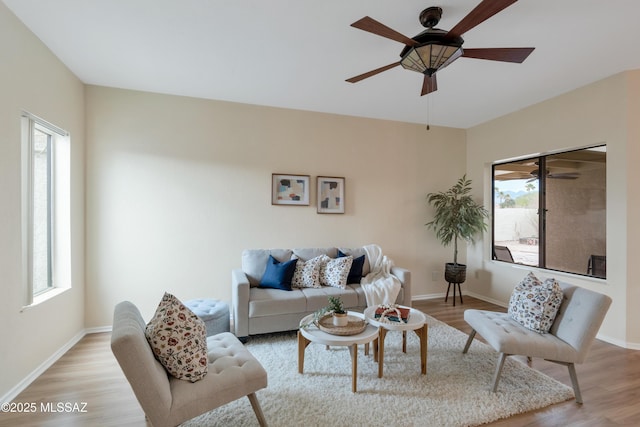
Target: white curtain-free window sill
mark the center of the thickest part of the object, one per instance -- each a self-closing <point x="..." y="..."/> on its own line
<point x="45" y="296"/>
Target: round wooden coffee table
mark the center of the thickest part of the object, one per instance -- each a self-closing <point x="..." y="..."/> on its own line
<point x="417" y="322"/>
<point x="312" y="333"/>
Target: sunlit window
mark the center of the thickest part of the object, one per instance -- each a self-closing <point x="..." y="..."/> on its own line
<point x="46" y="203"/>
<point x="550" y="211"/>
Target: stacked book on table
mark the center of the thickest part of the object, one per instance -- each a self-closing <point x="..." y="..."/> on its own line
<point x="392" y="313"/>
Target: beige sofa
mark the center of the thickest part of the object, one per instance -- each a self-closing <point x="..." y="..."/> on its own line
<point x="258" y="310"/>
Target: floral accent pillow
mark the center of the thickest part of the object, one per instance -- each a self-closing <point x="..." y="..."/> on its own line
<point x="178" y="339"/>
<point x="334" y="271"/>
<point x="307" y="274"/>
<point x="534" y="304"/>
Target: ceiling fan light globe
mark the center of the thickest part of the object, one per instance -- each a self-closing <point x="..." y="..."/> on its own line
<point x="430" y="57"/>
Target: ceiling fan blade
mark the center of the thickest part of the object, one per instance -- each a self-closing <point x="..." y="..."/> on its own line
<point x="485" y="10"/>
<point x="429" y="84"/>
<point x="375" y="27"/>
<point x="505" y="54"/>
<point x="372" y="72"/>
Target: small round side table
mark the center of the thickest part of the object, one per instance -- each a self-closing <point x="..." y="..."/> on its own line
<point x="417" y="322"/>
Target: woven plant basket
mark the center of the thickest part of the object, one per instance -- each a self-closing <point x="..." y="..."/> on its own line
<point x="455" y="273"/>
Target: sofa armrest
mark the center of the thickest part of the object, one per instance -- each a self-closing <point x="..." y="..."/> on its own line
<point x="404" y="276"/>
<point x="240" y="290"/>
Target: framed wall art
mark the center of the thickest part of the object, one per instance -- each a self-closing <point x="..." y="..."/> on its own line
<point x="290" y="189"/>
<point x="330" y="195"/>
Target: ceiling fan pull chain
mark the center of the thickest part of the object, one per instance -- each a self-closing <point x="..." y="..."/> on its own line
<point x="428" y="112"/>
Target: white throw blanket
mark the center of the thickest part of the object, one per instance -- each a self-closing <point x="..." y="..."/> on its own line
<point x="380" y="286"/>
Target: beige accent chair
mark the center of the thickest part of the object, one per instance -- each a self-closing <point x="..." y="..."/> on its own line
<point x="167" y="401"/>
<point x="567" y="343"/>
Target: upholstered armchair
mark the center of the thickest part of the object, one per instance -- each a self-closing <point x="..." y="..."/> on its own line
<point x="233" y="373"/>
<point x="575" y="327"/>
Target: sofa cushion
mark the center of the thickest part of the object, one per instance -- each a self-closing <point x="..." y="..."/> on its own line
<point x="307" y="274"/>
<point x="308" y="253"/>
<point x="273" y="302"/>
<point x="318" y="298"/>
<point x="334" y="271"/>
<point x="534" y="304"/>
<point x="358" y="252"/>
<point x="355" y="273"/>
<point x="278" y="275"/>
<point x="254" y="262"/>
<point x="178" y="339"/>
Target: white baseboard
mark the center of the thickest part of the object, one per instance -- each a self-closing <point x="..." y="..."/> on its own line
<point x="98" y="329"/>
<point x="491" y="300"/>
<point x="22" y="385"/>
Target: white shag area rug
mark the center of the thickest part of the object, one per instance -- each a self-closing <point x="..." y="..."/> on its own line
<point x="455" y="391"/>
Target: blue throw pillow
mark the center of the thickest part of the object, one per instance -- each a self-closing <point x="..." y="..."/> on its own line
<point x="278" y="274"/>
<point x="355" y="274"/>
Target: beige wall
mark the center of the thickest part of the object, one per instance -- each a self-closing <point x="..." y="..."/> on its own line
<point x="31" y="78"/>
<point x="633" y="206"/>
<point x="177" y="187"/>
<point x="599" y="113"/>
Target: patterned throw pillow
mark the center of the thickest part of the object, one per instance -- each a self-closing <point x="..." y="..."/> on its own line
<point x="307" y="274"/>
<point x="534" y="304"/>
<point x="334" y="271"/>
<point x="178" y="339"/>
<point x="355" y="273"/>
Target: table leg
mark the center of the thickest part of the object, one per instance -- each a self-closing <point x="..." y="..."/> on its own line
<point x="302" y="345"/>
<point x="382" y="333"/>
<point x="423" y="335"/>
<point x="404" y="341"/>
<point x="353" y="349"/>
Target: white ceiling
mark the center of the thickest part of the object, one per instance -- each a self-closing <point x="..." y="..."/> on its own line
<point x="298" y="53"/>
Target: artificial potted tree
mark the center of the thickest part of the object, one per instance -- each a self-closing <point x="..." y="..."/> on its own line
<point x="457" y="216"/>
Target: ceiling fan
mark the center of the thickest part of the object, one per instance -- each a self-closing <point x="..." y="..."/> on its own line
<point x="434" y="49"/>
<point x="552" y="175"/>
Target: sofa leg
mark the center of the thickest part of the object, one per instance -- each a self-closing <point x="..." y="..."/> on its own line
<point x="499" y="366"/>
<point x="469" y="340"/>
<point x="257" y="409"/>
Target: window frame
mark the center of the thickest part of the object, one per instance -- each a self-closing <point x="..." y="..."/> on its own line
<point x="57" y="205"/>
<point x="541" y="162"/>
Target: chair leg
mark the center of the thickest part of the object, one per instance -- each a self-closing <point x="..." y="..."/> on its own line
<point x="257" y="409"/>
<point x="499" y="366"/>
<point x="574" y="378"/>
<point x="468" y="344"/>
<point x="574" y="381"/>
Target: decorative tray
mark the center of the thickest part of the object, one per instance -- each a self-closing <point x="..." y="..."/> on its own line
<point x="355" y="325"/>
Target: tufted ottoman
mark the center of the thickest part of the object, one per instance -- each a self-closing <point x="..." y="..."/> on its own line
<point x="214" y="313"/>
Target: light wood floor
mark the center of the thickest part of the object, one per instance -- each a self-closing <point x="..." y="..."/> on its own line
<point x="88" y="373"/>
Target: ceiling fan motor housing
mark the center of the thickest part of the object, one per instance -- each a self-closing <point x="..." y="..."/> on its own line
<point x="430" y="17"/>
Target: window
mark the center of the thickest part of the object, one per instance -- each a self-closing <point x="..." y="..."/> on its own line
<point x="554" y="219"/>
<point x="46" y="206"/>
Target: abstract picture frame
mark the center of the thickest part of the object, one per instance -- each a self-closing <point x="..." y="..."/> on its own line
<point x="330" y="194"/>
<point x="290" y="189"/>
